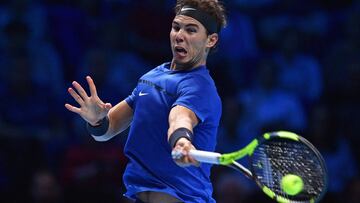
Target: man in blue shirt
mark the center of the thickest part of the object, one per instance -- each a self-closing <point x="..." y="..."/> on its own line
<point x="175" y="106"/>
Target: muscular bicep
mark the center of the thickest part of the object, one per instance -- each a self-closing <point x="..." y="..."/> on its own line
<point x="120" y="117"/>
<point x="181" y="117"/>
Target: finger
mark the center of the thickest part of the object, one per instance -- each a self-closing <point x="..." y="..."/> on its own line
<point x="190" y="159"/>
<point x="182" y="162"/>
<point x="80" y="90"/>
<point x="176" y="154"/>
<point x="92" y="86"/>
<point x="108" y="106"/>
<point x="77" y="98"/>
<point x="194" y="161"/>
<point x="185" y="159"/>
<point x="73" y="108"/>
<point x="181" y="159"/>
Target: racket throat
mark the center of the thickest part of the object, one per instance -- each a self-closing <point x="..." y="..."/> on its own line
<point x="241" y="168"/>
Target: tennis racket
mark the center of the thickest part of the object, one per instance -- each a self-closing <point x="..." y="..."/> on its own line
<point x="273" y="156"/>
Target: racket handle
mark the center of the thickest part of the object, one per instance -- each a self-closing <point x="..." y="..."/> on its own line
<point x="205" y="156"/>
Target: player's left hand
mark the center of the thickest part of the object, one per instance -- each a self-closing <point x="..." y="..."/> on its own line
<point x="181" y="153"/>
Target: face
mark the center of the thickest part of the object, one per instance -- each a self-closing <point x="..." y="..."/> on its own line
<point x="190" y="43"/>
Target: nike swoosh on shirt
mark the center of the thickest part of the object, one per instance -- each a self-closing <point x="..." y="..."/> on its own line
<point x="142" y="94"/>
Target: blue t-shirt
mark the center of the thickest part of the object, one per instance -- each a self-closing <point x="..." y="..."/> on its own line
<point x="151" y="167"/>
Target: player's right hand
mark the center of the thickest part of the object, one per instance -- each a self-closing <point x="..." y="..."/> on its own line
<point x="91" y="109"/>
<point x="180" y="153"/>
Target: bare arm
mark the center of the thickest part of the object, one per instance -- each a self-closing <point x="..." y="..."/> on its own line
<point x="182" y="117"/>
<point x="120" y="117"/>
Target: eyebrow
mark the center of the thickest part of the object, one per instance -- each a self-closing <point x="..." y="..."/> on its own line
<point x="187" y="25"/>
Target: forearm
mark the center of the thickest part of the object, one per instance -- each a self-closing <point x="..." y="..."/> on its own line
<point x="120" y="117"/>
<point x="181" y="117"/>
<point x="182" y="121"/>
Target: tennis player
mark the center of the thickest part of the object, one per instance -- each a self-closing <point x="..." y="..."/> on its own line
<point x="174" y="106"/>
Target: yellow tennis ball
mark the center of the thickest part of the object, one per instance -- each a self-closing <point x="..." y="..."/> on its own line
<point x="292" y="184"/>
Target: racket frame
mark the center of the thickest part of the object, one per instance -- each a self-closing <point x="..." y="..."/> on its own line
<point x="229" y="160"/>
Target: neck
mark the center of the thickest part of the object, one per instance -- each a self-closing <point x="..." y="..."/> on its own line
<point x="185" y="66"/>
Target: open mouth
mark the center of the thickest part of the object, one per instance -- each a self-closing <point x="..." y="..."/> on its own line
<point x="180" y="50"/>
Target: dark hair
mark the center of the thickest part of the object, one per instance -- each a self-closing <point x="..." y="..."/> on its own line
<point x="212" y="7"/>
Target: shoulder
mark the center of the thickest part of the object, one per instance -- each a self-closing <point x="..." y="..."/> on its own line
<point x="198" y="79"/>
<point x="157" y="69"/>
<point x="198" y="87"/>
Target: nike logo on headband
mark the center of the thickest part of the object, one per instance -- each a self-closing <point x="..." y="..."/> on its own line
<point x="188" y="9"/>
<point x="209" y="22"/>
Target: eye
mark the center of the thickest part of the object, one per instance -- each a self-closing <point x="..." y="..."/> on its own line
<point x="191" y="30"/>
<point x="176" y="27"/>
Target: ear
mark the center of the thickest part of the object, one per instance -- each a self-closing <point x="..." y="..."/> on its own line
<point x="212" y="40"/>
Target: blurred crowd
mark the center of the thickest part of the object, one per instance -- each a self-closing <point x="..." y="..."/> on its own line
<point x="281" y="65"/>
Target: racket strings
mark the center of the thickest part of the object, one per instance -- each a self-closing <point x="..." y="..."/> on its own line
<point x="274" y="159"/>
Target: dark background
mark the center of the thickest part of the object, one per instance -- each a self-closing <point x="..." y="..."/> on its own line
<point x="281" y="65"/>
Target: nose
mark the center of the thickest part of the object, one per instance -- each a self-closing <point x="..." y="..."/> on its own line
<point x="179" y="37"/>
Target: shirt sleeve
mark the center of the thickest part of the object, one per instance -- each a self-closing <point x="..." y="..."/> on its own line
<point x="198" y="95"/>
<point x="130" y="100"/>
